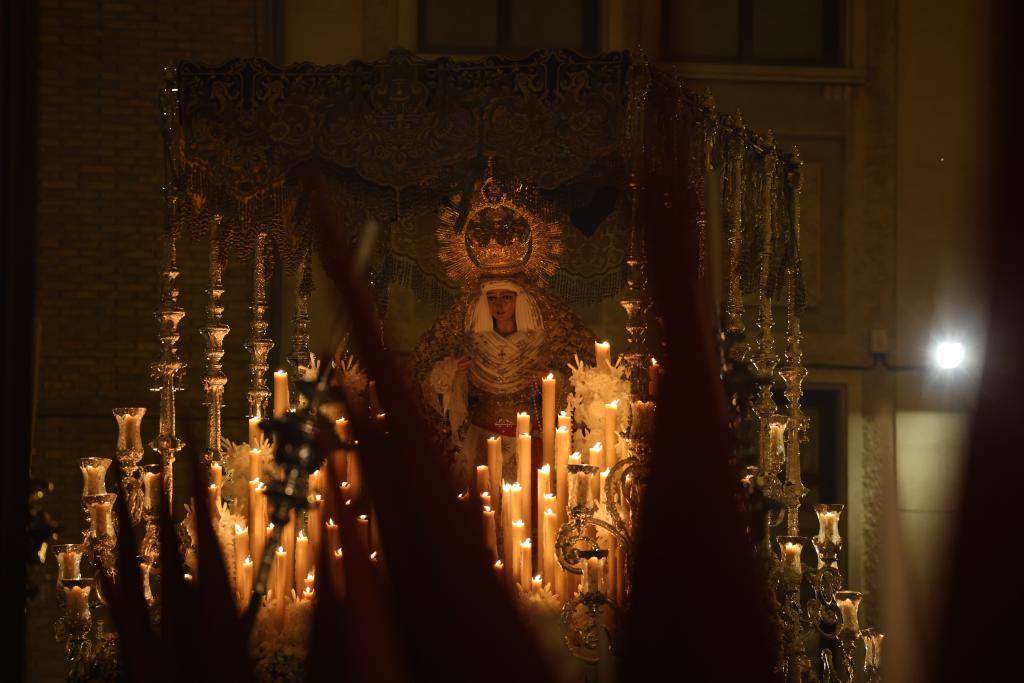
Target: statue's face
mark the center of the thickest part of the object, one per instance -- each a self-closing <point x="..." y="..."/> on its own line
<point x="502" y="303"/>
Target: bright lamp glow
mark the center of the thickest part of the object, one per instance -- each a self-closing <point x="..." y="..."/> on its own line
<point x="950" y="355"/>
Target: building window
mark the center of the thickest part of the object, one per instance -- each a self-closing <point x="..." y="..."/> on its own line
<point x="507" y="27"/>
<point x="793" y="32"/>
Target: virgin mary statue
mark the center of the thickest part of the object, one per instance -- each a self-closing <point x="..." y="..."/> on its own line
<point x="482" y="361"/>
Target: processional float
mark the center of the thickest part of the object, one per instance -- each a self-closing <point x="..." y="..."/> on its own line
<point x="397" y="139"/>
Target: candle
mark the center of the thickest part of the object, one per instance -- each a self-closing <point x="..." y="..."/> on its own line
<point x="338" y="571"/>
<point x="490" y="531"/>
<point x="340" y="457"/>
<point x="564" y="420"/>
<point x="872" y="648"/>
<point x="307" y="594"/>
<point x="241" y="547"/>
<point x="278" y="573"/>
<point x="653" y="375"/>
<point x="593" y="574"/>
<point x="133" y="428"/>
<point x="522" y="423"/>
<point x="245" y="581"/>
<point x="485" y="498"/>
<point x="543" y="489"/>
<point x="828" y="524"/>
<point x="151" y="488"/>
<point x="536" y="584"/>
<point x="355" y="478"/>
<point x="776" y="455"/>
<point x="848" y="603"/>
<point x="94" y="473"/>
<point x="281" y="403"/>
<point x="601" y="487"/>
<point x="525" y="563"/>
<point x="288" y="540"/>
<point x="518" y="535"/>
<point x="547" y="551"/>
<point x="611" y="428"/>
<point x="506" y="520"/>
<point x="257" y="518"/>
<point x="77" y="601"/>
<point x="101" y="514"/>
<point x="483" y="478"/>
<point x="213" y="499"/>
<point x="524" y="469"/>
<point x="603" y="352"/>
<point x="301" y="559"/>
<point x="515" y="500"/>
<point x="597" y="460"/>
<point x="562" y="437"/>
<point x="255" y="433"/>
<point x="575" y="459"/>
<point x="790" y="548"/>
<point x="494" y="463"/>
<point x="581" y="488"/>
<point x="333" y="534"/>
<point x="363" y="530"/>
<point x="548" y="419"/>
<point x="499" y="570"/>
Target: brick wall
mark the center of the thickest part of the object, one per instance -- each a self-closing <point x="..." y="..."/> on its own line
<point x="100" y="248"/>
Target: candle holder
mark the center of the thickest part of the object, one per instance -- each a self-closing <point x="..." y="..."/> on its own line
<point x="69" y="561"/>
<point x="583" y="624"/>
<point x="872" y="638"/>
<point x="101" y="539"/>
<point x="129" y="452"/>
<point x="152" y="494"/>
<point x="94" y="475"/>
<point x="75" y="623"/>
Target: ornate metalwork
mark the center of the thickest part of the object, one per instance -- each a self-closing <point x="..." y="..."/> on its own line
<point x="299" y="357"/>
<point x="168" y="373"/>
<point x="259" y="344"/>
<point x="214" y="331"/>
<point x="587" y="635"/>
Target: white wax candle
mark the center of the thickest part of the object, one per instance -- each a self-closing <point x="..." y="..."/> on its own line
<point x="374" y="398"/>
<point x="69" y="563"/>
<point x="151" y="486"/>
<point x="133" y="428"/>
<point x="506" y="521"/>
<point x="279" y="574"/>
<point x="776" y="443"/>
<point x="562" y="438"/>
<point x="483" y="478"/>
<point x="523" y="423"/>
<point x="94" y="476"/>
<point x="593" y="574"/>
<point x="255" y="433"/>
<point x="485" y="498"/>
<point x="518" y="536"/>
<point x="547" y="552"/>
<point x="494" y="464"/>
<point x="828" y="527"/>
<point x="363" y="531"/>
<point x="597" y="455"/>
<point x="543" y="490"/>
<point x="338" y="571"/>
<point x="653" y="377"/>
<point x="490" y="531"/>
<point x="848" y="603"/>
<point x="548" y="419"/>
<point x="564" y="420"/>
<point x="245" y="581"/>
<point x="525" y="563"/>
<point x="611" y="429"/>
<point x="281" y="404"/>
<point x="524" y="468"/>
<point x="537" y="584"/>
<point x="333" y="534"/>
<point x="301" y="560"/>
<point x="77" y="601"/>
<point x="603" y="352"/>
<point x="791" y="560"/>
<point x="315" y="521"/>
<point x="515" y="500"/>
<point x="241" y="547"/>
<point x="102" y="519"/>
<point x="216" y="474"/>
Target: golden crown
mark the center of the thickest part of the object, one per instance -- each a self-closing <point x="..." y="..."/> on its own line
<point x="500" y="237"/>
